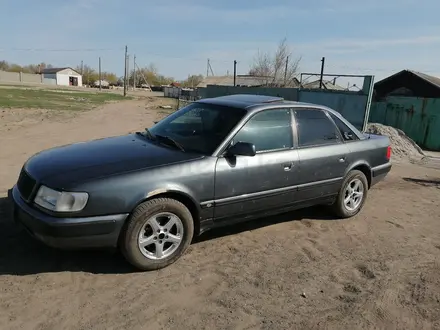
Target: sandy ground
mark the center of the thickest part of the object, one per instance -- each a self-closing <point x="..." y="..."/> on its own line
<point x="303" y="270"/>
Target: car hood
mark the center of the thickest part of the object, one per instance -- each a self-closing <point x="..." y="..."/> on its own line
<point x="64" y="166"/>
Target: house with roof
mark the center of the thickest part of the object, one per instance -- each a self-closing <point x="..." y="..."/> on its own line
<point x="408" y="83"/>
<point x="410" y="101"/>
<point x="63" y="76"/>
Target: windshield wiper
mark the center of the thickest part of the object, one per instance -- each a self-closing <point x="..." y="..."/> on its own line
<point x="147" y="134"/>
<point x="171" y="142"/>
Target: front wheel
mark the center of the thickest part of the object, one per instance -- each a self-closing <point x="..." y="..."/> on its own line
<point x="157" y="234"/>
<point x="352" y="195"/>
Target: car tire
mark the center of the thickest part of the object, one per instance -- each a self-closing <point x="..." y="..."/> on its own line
<point x="140" y="230"/>
<point x="341" y="207"/>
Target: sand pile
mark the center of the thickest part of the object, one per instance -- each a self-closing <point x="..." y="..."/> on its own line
<point x="403" y="147"/>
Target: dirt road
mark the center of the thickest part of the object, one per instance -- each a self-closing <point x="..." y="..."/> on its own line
<point x="303" y="270"/>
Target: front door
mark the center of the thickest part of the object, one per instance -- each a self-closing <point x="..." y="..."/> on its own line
<point x="323" y="156"/>
<point x="246" y="186"/>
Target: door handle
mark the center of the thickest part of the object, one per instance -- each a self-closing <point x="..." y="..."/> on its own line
<point x="288" y="166"/>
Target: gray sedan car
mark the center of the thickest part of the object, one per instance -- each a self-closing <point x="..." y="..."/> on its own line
<point x="215" y="162"/>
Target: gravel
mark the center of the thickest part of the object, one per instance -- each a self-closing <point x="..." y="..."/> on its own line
<point x="403" y="147"/>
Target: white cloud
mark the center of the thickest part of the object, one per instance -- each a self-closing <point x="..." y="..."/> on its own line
<point x="261" y="13"/>
<point x="184" y="12"/>
<point x="388" y="52"/>
<point x="343" y="46"/>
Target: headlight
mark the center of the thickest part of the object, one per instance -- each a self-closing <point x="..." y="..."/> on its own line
<point x="61" y="201"/>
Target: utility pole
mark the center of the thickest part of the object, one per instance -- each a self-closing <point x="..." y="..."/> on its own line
<point x="128" y="71"/>
<point x="145" y="80"/>
<point x="235" y="71"/>
<point x="322" y="72"/>
<point x="134" y="72"/>
<point x="207" y="68"/>
<point x="285" y="71"/>
<point x="125" y="71"/>
<point x="82" y="67"/>
<point x="100" y="87"/>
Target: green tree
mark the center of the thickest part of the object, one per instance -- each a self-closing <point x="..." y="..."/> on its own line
<point x="192" y="81"/>
<point x="4" y="66"/>
<point x="15" y="68"/>
<point x="149" y="75"/>
<point x="110" y="77"/>
<point x="89" y="75"/>
<point x="30" y="68"/>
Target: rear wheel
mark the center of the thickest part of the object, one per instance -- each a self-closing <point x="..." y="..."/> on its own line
<point x="157" y="234"/>
<point x="352" y="195"/>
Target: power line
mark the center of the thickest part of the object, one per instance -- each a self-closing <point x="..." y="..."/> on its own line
<point x="343" y="67"/>
<point x="61" y="49"/>
<point x="170" y="56"/>
<point x="163" y="55"/>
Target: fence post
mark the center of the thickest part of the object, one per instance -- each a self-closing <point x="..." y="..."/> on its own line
<point x="21" y="76"/>
<point x="368" y="83"/>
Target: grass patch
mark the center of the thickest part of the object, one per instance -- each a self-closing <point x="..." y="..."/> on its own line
<point x="55" y="99"/>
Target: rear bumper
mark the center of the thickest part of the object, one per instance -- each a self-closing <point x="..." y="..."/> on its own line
<point x="67" y="233"/>
<point x="379" y="173"/>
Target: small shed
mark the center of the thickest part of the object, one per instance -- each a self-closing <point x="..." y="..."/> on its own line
<point x="408" y="83"/>
<point x="64" y="76"/>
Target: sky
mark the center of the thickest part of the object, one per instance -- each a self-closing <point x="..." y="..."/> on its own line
<point x="374" y="37"/>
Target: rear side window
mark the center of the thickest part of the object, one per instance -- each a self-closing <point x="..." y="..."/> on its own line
<point x="315" y="128"/>
<point x="346" y="133"/>
<point x="268" y="130"/>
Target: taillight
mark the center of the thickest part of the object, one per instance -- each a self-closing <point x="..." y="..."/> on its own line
<point x="389" y="152"/>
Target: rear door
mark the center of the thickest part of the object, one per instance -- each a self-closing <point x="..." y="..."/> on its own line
<point x="323" y="156"/>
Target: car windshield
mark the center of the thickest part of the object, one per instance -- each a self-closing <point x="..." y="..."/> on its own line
<point x="199" y="127"/>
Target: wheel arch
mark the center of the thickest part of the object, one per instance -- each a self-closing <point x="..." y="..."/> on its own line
<point x="364" y="168"/>
<point x="180" y="196"/>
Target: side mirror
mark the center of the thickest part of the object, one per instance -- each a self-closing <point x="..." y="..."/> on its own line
<point x="242" y="149"/>
<point x="348" y="136"/>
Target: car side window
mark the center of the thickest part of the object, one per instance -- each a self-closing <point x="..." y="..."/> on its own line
<point x="346" y="133"/>
<point x="268" y="130"/>
<point x="315" y="128"/>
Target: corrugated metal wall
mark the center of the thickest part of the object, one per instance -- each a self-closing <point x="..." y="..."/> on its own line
<point x="350" y="104"/>
<point x="215" y="91"/>
<point x="173" y="92"/>
<point x="419" y="118"/>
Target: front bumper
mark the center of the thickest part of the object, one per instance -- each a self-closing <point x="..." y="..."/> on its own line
<point x="68" y="233"/>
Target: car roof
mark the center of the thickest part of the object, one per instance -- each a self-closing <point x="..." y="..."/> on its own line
<point x="251" y="101"/>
